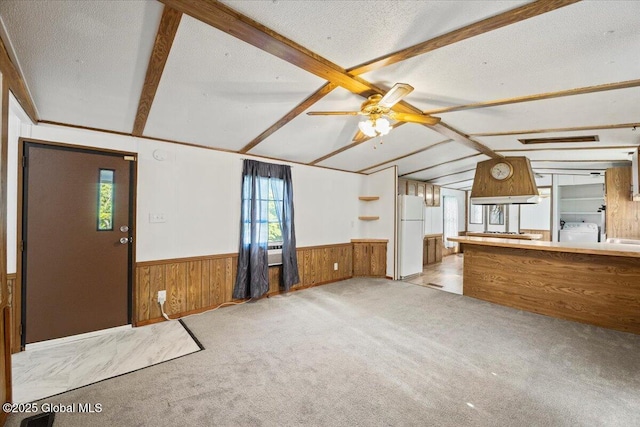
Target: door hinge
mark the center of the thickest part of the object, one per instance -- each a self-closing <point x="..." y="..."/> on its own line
<point x="24" y="161"/>
<point x="21" y="246"/>
<point x="130" y="158"/>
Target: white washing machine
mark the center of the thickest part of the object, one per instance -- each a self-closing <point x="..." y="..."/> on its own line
<point x="579" y="232"/>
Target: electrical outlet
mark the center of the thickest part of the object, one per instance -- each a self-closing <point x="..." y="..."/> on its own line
<point x="162" y="296"/>
<point x="335" y="266"/>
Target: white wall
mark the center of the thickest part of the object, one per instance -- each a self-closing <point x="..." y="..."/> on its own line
<point x="382" y="184"/>
<point x="198" y="190"/>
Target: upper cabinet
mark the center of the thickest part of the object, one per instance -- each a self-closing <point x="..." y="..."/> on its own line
<point x="430" y="192"/>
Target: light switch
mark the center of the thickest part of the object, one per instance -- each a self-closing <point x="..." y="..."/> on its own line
<point x="157" y="217"/>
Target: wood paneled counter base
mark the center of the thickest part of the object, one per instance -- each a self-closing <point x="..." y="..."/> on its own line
<point x="597" y="284"/>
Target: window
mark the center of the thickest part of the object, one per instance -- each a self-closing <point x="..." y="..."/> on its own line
<point x="105" y="200"/>
<point x="269" y="204"/>
<point x="275" y="204"/>
<point x="450" y="207"/>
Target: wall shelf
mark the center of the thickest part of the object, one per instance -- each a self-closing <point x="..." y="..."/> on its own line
<point x="368" y="218"/>
<point x="369" y="198"/>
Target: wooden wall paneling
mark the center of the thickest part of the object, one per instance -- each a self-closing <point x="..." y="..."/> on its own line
<point x="156" y="283"/>
<point x="217" y="281"/>
<point x="318" y="262"/>
<point x="143" y="293"/>
<point x="199" y="283"/>
<point x="326" y="264"/>
<point x="194" y="285"/>
<point x="205" y="295"/>
<point x="597" y="289"/>
<point x="231" y="271"/>
<point x="310" y="270"/>
<point x="275" y="275"/>
<point x="300" y="256"/>
<point x="176" y="287"/>
<point x="622" y="215"/>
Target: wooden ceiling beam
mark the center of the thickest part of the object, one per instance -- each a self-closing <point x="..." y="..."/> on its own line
<point x="16" y="84"/>
<point x="164" y="40"/>
<point x="493" y="23"/>
<point x="537" y="97"/>
<point x="246" y="29"/>
<point x="507" y="18"/>
<point x="237" y="25"/>
<point x="299" y="109"/>
<point x="464" y="139"/>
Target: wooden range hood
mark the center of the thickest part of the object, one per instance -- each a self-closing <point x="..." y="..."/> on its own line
<point x="518" y="188"/>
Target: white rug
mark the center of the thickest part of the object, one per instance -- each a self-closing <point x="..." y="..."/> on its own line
<point x="49" y="370"/>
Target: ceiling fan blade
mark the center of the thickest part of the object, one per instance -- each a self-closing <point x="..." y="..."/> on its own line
<point x="333" y="113"/>
<point x="414" y="118"/>
<point x="395" y="94"/>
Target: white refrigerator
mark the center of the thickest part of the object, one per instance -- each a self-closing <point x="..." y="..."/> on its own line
<point x="410" y="235"/>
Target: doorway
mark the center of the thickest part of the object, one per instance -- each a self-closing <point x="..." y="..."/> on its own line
<point x="76" y="242"/>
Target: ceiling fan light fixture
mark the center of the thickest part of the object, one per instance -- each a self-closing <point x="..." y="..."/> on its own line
<point x="382" y="126"/>
<point x="367" y="127"/>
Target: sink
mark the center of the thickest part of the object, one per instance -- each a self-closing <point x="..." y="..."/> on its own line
<point x="623" y="241"/>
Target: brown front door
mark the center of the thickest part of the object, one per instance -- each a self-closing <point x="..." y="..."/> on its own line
<point x="76" y="233"/>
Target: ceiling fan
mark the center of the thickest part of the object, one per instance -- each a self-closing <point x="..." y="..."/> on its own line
<point x="377" y="108"/>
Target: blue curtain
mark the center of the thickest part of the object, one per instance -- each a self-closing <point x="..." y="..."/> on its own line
<point x="252" y="280"/>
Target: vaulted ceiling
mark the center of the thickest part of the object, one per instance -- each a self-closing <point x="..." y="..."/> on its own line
<point x="240" y="76"/>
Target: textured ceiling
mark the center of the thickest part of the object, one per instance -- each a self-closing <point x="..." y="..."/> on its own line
<point x="84" y="63"/>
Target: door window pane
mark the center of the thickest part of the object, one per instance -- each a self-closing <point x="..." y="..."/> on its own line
<point x="105" y="200"/>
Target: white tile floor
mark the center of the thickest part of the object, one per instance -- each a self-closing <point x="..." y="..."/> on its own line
<point x="49" y="370"/>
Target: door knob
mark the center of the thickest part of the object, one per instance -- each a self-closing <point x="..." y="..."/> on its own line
<point x="124" y="240"/>
<point x="124" y="228"/>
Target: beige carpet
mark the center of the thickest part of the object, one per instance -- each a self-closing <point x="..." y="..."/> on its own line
<point x="376" y="352"/>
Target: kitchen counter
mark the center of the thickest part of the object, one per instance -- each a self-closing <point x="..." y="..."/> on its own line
<point x="595" y="283"/>
<point x="608" y="249"/>
<point x="523" y="236"/>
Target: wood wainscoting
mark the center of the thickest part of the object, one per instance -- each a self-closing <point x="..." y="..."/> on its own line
<point x="546" y="234"/>
<point x="201" y="283"/>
